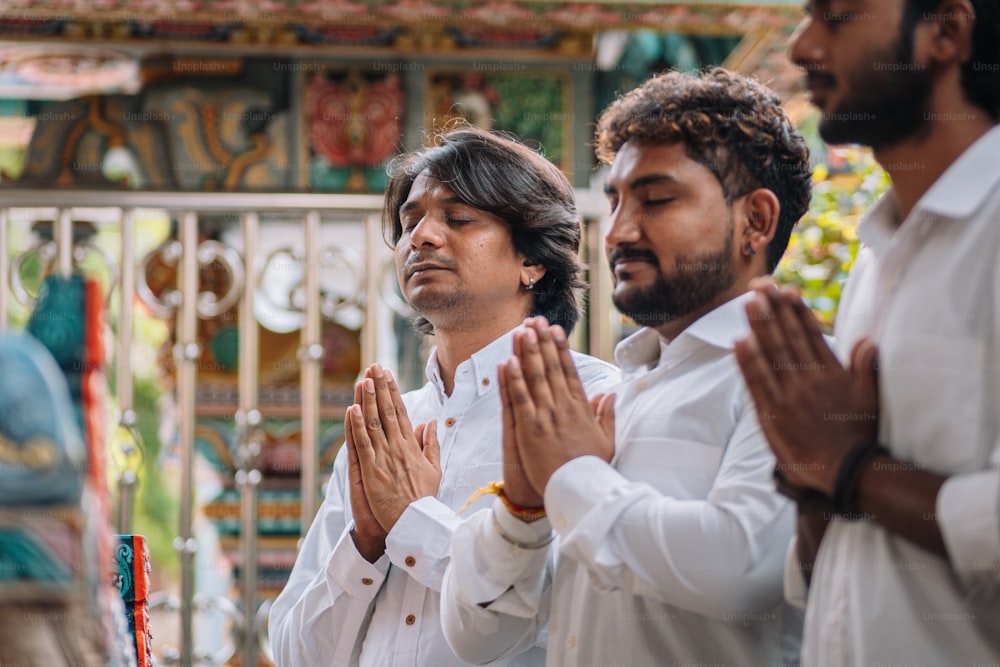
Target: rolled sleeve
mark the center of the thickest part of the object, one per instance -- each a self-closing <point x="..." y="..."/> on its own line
<point x="968" y="509"/>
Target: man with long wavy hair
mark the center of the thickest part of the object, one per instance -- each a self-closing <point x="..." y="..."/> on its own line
<point x="485" y="233"/>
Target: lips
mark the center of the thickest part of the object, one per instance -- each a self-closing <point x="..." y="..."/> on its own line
<point x="423" y="268"/>
<point x="620" y="258"/>
<point x="819" y="84"/>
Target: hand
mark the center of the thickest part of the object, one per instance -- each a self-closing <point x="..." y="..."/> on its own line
<point x="553" y="422"/>
<point x="368" y="534"/>
<point x="398" y="465"/>
<point x="516" y="486"/>
<point x="812" y="410"/>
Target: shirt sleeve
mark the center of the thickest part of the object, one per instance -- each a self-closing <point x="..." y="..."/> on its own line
<point x="719" y="556"/>
<point x="420" y="542"/>
<point x="968" y="505"/>
<point x="968" y="509"/>
<point x="495" y="595"/>
<point x="322" y="614"/>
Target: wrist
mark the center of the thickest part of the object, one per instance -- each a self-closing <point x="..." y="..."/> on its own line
<point x="853" y="468"/>
<point x="371" y="547"/>
<point x="522" y="512"/>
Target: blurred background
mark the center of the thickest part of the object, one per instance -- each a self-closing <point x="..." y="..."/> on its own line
<point x="217" y="167"/>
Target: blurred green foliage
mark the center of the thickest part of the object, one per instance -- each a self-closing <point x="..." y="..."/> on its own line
<point x="846" y="182"/>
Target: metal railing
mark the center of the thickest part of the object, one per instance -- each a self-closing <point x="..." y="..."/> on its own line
<point x="189" y="302"/>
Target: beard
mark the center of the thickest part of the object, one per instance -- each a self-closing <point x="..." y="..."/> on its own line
<point x="695" y="282"/>
<point x="883" y="107"/>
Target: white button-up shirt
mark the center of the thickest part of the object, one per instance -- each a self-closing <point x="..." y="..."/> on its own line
<point x="671" y="555"/>
<point x="339" y="609"/>
<point x="928" y="291"/>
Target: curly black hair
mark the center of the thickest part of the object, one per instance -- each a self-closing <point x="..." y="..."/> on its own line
<point x="729" y="123"/>
<point x="504" y="177"/>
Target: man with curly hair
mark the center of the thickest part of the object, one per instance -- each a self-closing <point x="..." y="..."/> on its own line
<point x="663" y="538"/>
<point x="891" y="445"/>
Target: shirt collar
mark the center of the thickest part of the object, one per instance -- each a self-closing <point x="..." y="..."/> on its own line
<point x="482" y="365"/>
<point x="720" y="327"/>
<point x="956" y="195"/>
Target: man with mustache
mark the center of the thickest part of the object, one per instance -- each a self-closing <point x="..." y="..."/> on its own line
<point x="664" y="538"/>
<point x="895" y="463"/>
<point x="485" y="233"/>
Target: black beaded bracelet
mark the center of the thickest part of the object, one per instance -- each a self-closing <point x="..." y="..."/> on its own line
<point x="845" y="490"/>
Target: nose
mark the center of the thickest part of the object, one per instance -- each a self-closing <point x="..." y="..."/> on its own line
<point x="806" y="49"/>
<point x="623" y="229"/>
<point x="428" y="232"/>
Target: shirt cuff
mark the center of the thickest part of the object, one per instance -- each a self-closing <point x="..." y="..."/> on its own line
<point x="352" y="572"/>
<point x="572" y="491"/>
<point x="796" y="589"/>
<point x="513" y="578"/>
<point x="522" y="531"/>
<point x="968" y="509"/>
<point x="420" y="542"/>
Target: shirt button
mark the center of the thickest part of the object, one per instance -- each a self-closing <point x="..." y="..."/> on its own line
<point x="367" y="582"/>
<point x="449" y="422"/>
<point x="410" y="561"/>
<point x="486" y="382"/>
<point x="571" y="642"/>
<point x="411" y="619"/>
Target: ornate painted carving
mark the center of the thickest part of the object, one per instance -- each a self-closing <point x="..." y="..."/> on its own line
<point x="353" y="126"/>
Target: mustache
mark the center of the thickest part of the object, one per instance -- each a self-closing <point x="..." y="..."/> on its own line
<point x="625" y="254"/>
<point x="428" y="258"/>
<point x="820" y="79"/>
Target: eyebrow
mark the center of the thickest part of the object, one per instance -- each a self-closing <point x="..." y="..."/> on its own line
<point x="642" y="181"/>
<point x="411" y="204"/>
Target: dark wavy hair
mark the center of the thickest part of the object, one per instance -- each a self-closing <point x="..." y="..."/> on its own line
<point x="729" y="123"/>
<point x="981" y="73"/>
<point x="501" y="176"/>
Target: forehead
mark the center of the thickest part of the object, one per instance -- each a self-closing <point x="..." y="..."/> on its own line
<point x="643" y="160"/>
<point x="425" y="185"/>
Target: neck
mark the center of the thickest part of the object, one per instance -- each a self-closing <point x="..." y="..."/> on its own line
<point x="457" y="342"/>
<point x="916" y="163"/>
<point x="672" y="329"/>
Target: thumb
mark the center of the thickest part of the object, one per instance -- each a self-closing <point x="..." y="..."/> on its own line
<point x="864" y="364"/>
<point x="432" y="448"/>
<point x="604" y="411"/>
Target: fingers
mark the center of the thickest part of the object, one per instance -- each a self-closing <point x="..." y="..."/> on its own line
<point x="373" y="426"/>
<point x="552" y="363"/>
<point x="604" y="411"/>
<point x="391" y="411"/>
<point x="507" y="413"/>
<point x="429" y="443"/>
<point x="352" y="452"/>
<point x="519" y="399"/>
<point x="758" y="373"/>
<point x="864" y="366"/>
<point x="570" y="375"/>
<point x="811" y="327"/>
<point x="770" y="338"/>
<point x="359" y="440"/>
<point x="532" y="370"/>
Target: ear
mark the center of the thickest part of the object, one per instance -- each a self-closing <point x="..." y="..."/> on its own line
<point x="759" y="220"/>
<point x="531" y="274"/>
<point x="947" y="37"/>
